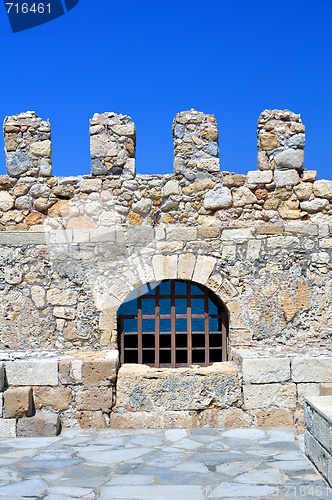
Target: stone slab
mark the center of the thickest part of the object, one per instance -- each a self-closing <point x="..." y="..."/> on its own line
<point x="265" y="370"/>
<point x="274" y="395"/>
<point x="42" y="424"/>
<point x="32" y="372"/>
<point x="312" y="369"/>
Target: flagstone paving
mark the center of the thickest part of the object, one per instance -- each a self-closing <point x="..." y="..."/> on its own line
<point x="171" y="464"/>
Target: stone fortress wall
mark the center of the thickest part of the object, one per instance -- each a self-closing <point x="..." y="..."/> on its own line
<point x="73" y="249"/>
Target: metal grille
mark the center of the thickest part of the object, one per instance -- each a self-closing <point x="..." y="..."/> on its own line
<point x="184" y="341"/>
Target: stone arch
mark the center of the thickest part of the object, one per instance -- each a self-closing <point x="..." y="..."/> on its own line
<point x="198" y="269"/>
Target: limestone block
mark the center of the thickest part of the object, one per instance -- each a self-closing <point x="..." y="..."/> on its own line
<point x="266" y="396"/>
<point x="208" y="232"/>
<point x="289" y="159"/>
<point x="94" y="398"/>
<point x="309" y="175"/>
<point x="42" y="424"/>
<point x="141" y="388"/>
<point x="303" y="191"/>
<point x="259" y="176"/>
<point x="253" y="249"/>
<point x="325" y="243"/>
<point x="181" y="233"/>
<point x="171" y="187"/>
<point x="219" y="198"/>
<point x="203" y="269"/>
<point x="81" y="235"/>
<point x="306" y="390"/>
<point x="55" y="398"/>
<point x="144" y="270"/>
<point x="323" y="189"/>
<point x="315" y="205"/>
<point x="164" y="267"/>
<point x="241" y="233"/>
<point x="38" y="296"/>
<point x="64" y="312"/>
<point x="7" y="428"/>
<point x="186" y="266"/>
<point x="301" y="228"/>
<point x="282" y="241"/>
<point x="265" y="370"/>
<point x="18" y="402"/>
<point x="90" y="419"/>
<point x="90" y="185"/>
<point x="273" y="417"/>
<point x="32" y="372"/>
<point x="286" y="178"/>
<point x="312" y="369"/>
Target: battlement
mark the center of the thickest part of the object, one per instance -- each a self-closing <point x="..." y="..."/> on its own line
<point x="197" y="193"/>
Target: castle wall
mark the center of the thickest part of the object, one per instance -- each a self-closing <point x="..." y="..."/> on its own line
<point x="73" y="249"/>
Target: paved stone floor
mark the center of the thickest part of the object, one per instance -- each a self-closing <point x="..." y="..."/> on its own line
<point x="159" y="464"/>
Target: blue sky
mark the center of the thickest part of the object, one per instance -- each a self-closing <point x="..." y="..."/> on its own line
<point x="153" y="59"/>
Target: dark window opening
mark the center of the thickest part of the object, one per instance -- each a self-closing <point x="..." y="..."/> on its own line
<point x="173" y="323"/>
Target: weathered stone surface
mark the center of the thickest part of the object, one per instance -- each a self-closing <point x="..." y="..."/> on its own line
<point x="143" y="206"/>
<point x="286" y="178"/>
<point x="171" y="187"/>
<point x="309" y="175"/>
<point x="315" y="205"/>
<point x="58" y="297"/>
<point x="265" y="396"/>
<point x="42" y="424"/>
<point x="198" y="186"/>
<point x="90" y="419"/>
<point x="32" y="372"/>
<point x="234" y="180"/>
<point x="99" y="371"/>
<point x="259" y="177"/>
<point x="268" y="141"/>
<point x="6" y="201"/>
<point x="219" y="198"/>
<point x="18" y="402"/>
<point x="17" y="163"/>
<point x="94" y="398"/>
<point x="273" y="417"/>
<point x="203" y="269"/>
<point x="90" y="185"/>
<point x="265" y="370"/>
<point x="289" y="159"/>
<point x="186" y="265"/>
<point x="140" y="388"/>
<point x="303" y="191"/>
<point x="323" y="189"/>
<point x="41" y="148"/>
<point x="243" y="196"/>
<point x="55" y="398"/>
<point x="7" y="428"/>
<point x="312" y="369"/>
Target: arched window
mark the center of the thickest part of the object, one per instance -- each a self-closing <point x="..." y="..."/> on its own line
<point x="172" y="323"/>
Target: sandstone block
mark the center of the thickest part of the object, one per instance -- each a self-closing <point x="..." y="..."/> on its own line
<point x="268" y="141"/>
<point x="42" y="424"/>
<point x="99" y="371"/>
<point x="7" y="428"/>
<point x="32" y="372"/>
<point x="90" y="185"/>
<point x="259" y="177"/>
<point x="90" y="419"/>
<point x="269" y="229"/>
<point x="309" y="175"/>
<point x="234" y="180"/>
<point x="208" y="232"/>
<point x="141" y="388"/>
<point x="6" y="201"/>
<point x="56" y="398"/>
<point x="266" y="396"/>
<point x="303" y="191"/>
<point x="312" y="369"/>
<point x="198" y="186"/>
<point x="18" y="402"/>
<point x="99" y="398"/>
<point x="274" y="417"/>
<point x="265" y="370"/>
<point x="41" y="148"/>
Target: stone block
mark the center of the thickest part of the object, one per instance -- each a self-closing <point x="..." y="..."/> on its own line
<point x="2" y="376"/>
<point x="269" y="229"/>
<point x="203" y="269"/>
<point x="241" y="233"/>
<point x="253" y="249"/>
<point x="32" y="372"/>
<point x="90" y="185"/>
<point x="141" y="388"/>
<point x="42" y="424"/>
<point x="94" y="398"/>
<point x="164" y="267"/>
<point x="286" y="178"/>
<point x="323" y="189"/>
<point x="90" y="420"/>
<point x="218" y="198"/>
<point x="265" y="370"/>
<point x="267" y="396"/>
<point x="7" y="428"/>
<point x="186" y="265"/>
<point x="56" y="398"/>
<point x="208" y="232"/>
<point x="273" y="417"/>
<point x="312" y="369"/>
<point x="181" y="233"/>
<point x="81" y="235"/>
<point x="301" y="228"/>
<point x="307" y="390"/>
<point x="18" y="402"/>
<point x="325" y="390"/>
<point x="99" y="371"/>
<point x="259" y="177"/>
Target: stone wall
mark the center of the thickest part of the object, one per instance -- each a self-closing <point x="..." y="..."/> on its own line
<point x="73" y="249"/>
